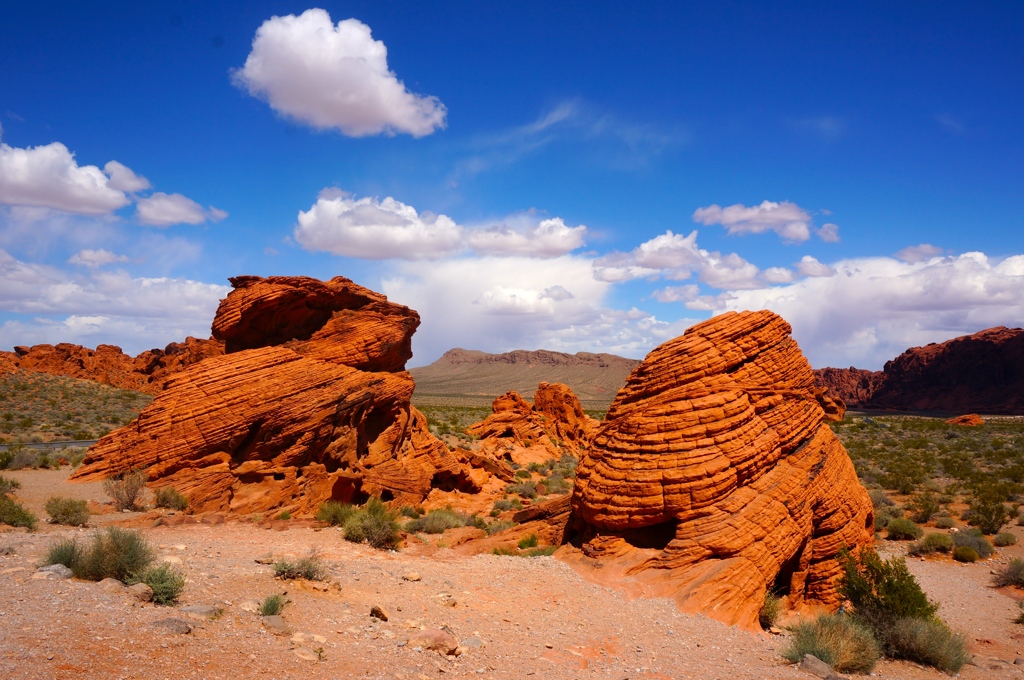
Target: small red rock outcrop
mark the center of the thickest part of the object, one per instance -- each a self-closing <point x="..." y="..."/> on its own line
<point x="107" y="364"/>
<point x="309" y="403"/>
<point x="968" y="420"/>
<point x="713" y="477"/>
<point x="523" y="433"/>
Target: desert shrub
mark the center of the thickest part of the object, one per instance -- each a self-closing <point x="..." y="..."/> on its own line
<point x="285" y="515"/>
<point x="927" y="641"/>
<point x="407" y="511"/>
<point x="169" y="497"/>
<point x="770" y="611"/>
<point x="965" y="553"/>
<point x="68" y="511"/>
<point x="335" y="513"/>
<point x="1011" y="574"/>
<point x="924" y="506"/>
<point x="1004" y="539"/>
<point x="525" y="489"/>
<point x="500" y="525"/>
<point x="505" y="551"/>
<point x="523" y="474"/>
<point x="528" y="541"/>
<point x="539" y="552"/>
<point x="125" y="489"/>
<point x="23" y="458"/>
<point x="945" y="523"/>
<point x="166" y="582"/>
<point x="972" y="538"/>
<point x="437" y="522"/>
<point x="504" y="504"/>
<point x="114" y="553"/>
<point x="8" y="485"/>
<point x="932" y="543"/>
<point x="14" y="514"/>
<point x="902" y="529"/>
<point x="5" y="459"/>
<point x="310" y="567"/>
<point x="76" y="457"/>
<point x="67" y="552"/>
<point x="556" y="484"/>
<point x="880" y="500"/>
<point x="375" y="524"/>
<point x="272" y="605"/>
<point x="841" y="641"/>
<point x="987" y="511"/>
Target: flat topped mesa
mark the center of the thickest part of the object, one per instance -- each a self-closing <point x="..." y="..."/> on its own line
<point x="309" y="403"/>
<point x="715" y="478"/>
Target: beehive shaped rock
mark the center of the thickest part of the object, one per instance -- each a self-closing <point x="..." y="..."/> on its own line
<point x="713" y="477"/>
<point x="310" y="403"/>
<point x="554" y="425"/>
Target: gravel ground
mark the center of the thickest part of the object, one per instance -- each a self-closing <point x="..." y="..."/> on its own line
<point x="531" y="617"/>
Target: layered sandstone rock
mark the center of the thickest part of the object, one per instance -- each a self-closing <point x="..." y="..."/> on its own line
<point x="107" y="364"/>
<point x="555" y="424"/>
<point x="714" y="478"/>
<point x="854" y="386"/>
<point x="309" y="403"/>
<point x="967" y="420"/>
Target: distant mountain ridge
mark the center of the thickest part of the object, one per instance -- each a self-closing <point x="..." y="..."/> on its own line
<point x="479" y="376"/>
<point x="982" y="373"/>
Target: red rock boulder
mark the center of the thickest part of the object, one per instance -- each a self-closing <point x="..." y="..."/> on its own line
<point x="713" y="477"/>
<point x="968" y="420"/>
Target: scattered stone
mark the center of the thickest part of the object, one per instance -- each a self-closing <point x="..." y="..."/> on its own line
<point x="111" y="585"/>
<point x="1018" y="661"/>
<point x="276" y="625"/>
<point x="179" y="546"/>
<point x="815" y="666"/>
<point x="471" y="643"/>
<point x="435" y="640"/>
<point x="251" y="606"/>
<point x="267" y="558"/>
<point x="141" y="592"/>
<point x="170" y="559"/>
<point x="301" y="638"/>
<point x="306" y="654"/>
<point x="411" y="576"/>
<point x="378" y="612"/>
<point x="52" y="572"/>
<point x="173" y="626"/>
<point x="202" y="612"/>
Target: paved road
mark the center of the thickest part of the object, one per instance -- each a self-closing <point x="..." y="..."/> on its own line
<point x="52" y="445"/>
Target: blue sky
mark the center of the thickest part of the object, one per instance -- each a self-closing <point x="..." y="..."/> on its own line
<point x="524" y="175"/>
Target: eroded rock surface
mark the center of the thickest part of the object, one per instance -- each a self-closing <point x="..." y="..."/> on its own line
<point x="309" y="403"/>
<point x="555" y="424"/>
<point x="714" y="478"/>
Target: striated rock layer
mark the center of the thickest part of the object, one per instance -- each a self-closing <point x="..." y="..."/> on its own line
<point x="714" y="478"/>
<point x="854" y="386"/>
<point x="309" y="403"/>
<point x="554" y="425"/>
<point x="107" y="364"/>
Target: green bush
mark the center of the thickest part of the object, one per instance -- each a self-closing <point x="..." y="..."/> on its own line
<point x="310" y="567"/>
<point x="924" y="506"/>
<point x="116" y="553"/>
<point x="69" y="511"/>
<point x="945" y="523"/>
<point x="927" y="641"/>
<point x="770" y="611"/>
<point x="841" y="641"/>
<point x="902" y="529"/>
<point x="556" y="484"/>
<point x="166" y="582"/>
<point x="526" y="489"/>
<point x="1011" y="574"/>
<point x="8" y="485"/>
<point x="523" y="474"/>
<point x="500" y="525"/>
<point x="965" y="553"/>
<point x="988" y="512"/>
<point x="125" y="489"/>
<point x="285" y="515"/>
<point x="528" y="541"/>
<point x="504" y="504"/>
<point x="272" y="605"/>
<point x="375" y="524"/>
<point x="1004" y="539"/>
<point x="5" y="459"/>
<point x="436" y="522"/>
<point x="169" y="497"/>
<point x="880" y="500"/>
<point x="539" y="552"/>
<point x="13" y="514"/>
<point x="972" y="538"/>
<point x="408" y="511"/>
<point x="335" y="513"/>
<point x="932" y="543"/>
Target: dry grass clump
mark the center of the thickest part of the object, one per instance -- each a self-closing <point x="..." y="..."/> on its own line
<point x="126" y="488"/>
<point x="1012" y="574"/>
<point x="1004" y="539"/>
<point x="841" y="641"/>
<point x="165" y="581"/>
<point x="272" y="605"/>
<point x="930" y="544"/>
<point x="771" y="610"/>
<point x="334" y="513"/>
<point x="8" y="485"/>
<point x="69" y="511"/>
<point x="14" y="514"/>
<point x="375" y="524"/>
<point x="310" y="567"/>
<point x="902" y="529"/>
<point x="171" y="498"/>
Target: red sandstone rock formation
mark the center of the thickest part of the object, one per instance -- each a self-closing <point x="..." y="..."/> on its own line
<point x="968" y="420"/>
<point x="713" y="477"/>
<point x="309" y="403"/>
<point x="553" y="425"/>
<point x="107" y="364"/>
<point x="855" y="386"/>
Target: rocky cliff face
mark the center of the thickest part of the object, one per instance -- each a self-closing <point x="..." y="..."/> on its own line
<point x="309" y="403"/>
<point x="983" y="372"/>
<point x="107" y="364"/>
<point x="713" y="477"/>
<point x="554" y="425"/>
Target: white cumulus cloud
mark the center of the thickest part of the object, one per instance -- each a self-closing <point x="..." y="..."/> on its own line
<point x="919" y="253"/>
<point x="786" y="219"/>
<point x="829" y="233"/>
<point x="333" y="76"/>
<point x="163" y="210"/>
<point x="549" y="238"/>
<point x="95" y="258"/>
<point x="810" y="266"/>
<point x="50" y="177"/>
<point x="123" y="178"/>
